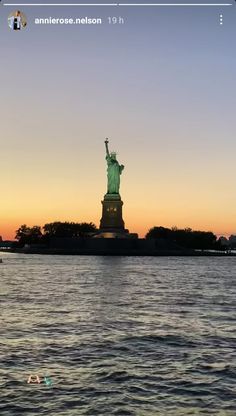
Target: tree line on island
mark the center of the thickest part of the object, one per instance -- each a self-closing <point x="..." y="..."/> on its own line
<point x="41" y="235"/>
<point x="185" y="238"/>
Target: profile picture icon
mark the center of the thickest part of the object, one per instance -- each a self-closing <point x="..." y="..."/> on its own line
<point x="17" y="20"/>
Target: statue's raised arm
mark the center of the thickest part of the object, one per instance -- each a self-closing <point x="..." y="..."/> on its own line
<point x="107" y="150"/>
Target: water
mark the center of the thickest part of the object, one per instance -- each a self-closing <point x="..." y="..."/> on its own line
<point x="118" y="335"/>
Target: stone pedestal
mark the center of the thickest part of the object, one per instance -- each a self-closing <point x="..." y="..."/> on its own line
<point x="112" y="220"/>
<point x="112" y="225"/>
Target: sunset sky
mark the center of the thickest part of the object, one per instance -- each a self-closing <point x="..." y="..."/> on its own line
<point x="161" y="87"/>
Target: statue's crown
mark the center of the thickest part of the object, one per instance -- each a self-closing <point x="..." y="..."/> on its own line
<point x="113" y="153"/>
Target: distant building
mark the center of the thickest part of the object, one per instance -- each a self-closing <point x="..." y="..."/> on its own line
<point x="5" y="244"/>
<point x="232" y="240"/>
<point x="224" y="242"/>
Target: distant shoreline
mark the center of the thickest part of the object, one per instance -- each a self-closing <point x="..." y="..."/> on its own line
<point x="126" y="253"/>
<point x="115" y="247"/>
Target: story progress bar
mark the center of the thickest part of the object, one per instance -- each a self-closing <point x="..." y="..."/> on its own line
<point x="119" y="4"/>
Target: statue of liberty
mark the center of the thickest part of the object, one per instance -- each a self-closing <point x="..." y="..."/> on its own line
<point x="114" y="171"/>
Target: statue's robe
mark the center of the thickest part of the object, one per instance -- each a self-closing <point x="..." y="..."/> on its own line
<point x="113" y="175"/>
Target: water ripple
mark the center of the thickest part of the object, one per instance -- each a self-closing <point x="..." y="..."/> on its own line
<point x="118" y="336"/>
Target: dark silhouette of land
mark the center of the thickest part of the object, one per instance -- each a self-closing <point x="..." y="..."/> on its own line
<point x="81" y="238"/>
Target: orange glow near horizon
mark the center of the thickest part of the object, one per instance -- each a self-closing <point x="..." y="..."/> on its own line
<point x="134" y="223"/>
<point x="151" y="196"/>
<point x="153" y="199"/>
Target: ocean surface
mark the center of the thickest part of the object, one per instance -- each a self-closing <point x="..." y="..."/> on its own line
<point x="117" y="335"/>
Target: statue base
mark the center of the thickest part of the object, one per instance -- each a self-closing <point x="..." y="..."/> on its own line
<point x="112" y="224"/>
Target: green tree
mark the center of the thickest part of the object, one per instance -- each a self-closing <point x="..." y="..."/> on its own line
<point x="159" y="232"/>
<point x="68" y="229"/>
<point x="85" y="228"/>
<point x="28" y="235"/>
<point x="186" y="238"/>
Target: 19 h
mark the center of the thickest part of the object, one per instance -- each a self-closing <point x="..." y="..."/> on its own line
<point x="116" y="20"/>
